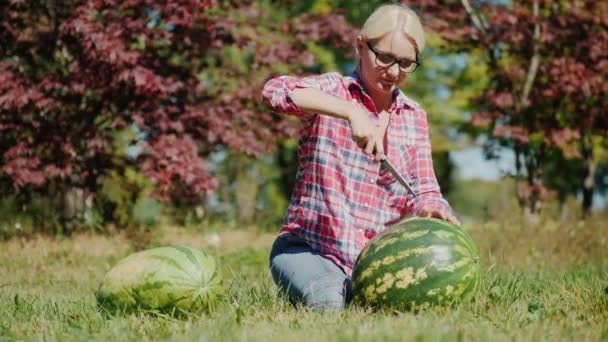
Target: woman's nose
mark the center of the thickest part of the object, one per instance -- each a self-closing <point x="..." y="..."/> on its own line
<point x="393" y="70"/>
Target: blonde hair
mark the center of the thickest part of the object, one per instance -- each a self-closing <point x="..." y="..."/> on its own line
<point x="394" y="18"/>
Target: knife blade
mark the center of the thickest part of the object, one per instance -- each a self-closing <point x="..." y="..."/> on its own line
<point x="398" y="176"/>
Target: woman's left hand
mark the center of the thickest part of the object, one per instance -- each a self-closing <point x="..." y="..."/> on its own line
<point x="440" y="215"/>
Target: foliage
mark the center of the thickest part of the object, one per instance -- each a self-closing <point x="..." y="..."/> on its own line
<point x="546" y="89"/>
<point x="24" y="216"/>
<point x="128" y="197"/>
<point x="187" y="73"/>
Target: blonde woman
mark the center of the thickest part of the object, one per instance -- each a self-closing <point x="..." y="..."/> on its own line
<point x="343" y="196"/>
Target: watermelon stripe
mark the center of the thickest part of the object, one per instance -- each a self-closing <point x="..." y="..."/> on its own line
<point x="462" y="250"/>
<point x="188" y="253"/>
<point x="154" y="276"/>
<point x="465" y="239"/>
<point x="169" y="261"/>
<point x="454" y="267"/>
<point x="398" y="237"/>
<point x="390" y="259"/>
<point x="404" y="244"/>
<point x="214" y="276"/>
<point x="468" y="243"/>
<point x="444" y="235"/>
<point x="151" y="286"/>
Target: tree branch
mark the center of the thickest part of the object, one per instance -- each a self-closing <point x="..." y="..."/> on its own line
<point x="482" y="25"/>
<point x="478" y="21"/>
<point x="534" y="62"/>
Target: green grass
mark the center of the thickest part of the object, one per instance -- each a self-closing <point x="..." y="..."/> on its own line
<point x="47" y="293"/>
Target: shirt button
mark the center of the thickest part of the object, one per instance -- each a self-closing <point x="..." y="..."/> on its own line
<point x="372" y="180"/>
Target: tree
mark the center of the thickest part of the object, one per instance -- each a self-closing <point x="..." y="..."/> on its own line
<point x="547" y="70"/>
<point x="186" y="73"/>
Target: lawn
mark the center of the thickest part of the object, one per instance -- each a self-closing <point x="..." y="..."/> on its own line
<point x="540" y="283"/>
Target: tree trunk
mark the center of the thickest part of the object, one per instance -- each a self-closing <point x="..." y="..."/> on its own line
<point x="531" y="195"/>
<point x="444" y="168"/>
<point x="588" y="173"/>
<point x="247" y="182"/>
<point x="530" y="190"/>
<point x="563" y="207"/>
<point x="74" y="207"/>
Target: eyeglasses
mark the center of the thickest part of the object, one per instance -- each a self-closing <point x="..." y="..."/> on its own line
<point x="384" y="60"/>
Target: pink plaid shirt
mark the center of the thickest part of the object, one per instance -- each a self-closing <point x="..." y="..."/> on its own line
<point x="342" y="197"/>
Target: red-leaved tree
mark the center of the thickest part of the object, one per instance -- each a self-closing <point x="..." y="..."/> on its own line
<point x="548" y="65"/>
<point x="186" y="73"/>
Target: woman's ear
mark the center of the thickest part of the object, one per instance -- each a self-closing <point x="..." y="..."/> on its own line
<point x="359" y="41"/>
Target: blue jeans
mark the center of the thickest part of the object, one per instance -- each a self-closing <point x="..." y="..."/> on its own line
<point x="306" y="277"/>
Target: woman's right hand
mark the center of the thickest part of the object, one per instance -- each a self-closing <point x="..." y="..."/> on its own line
<point x="365" y="132"/>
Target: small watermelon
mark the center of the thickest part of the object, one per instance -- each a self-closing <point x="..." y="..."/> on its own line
<point x="166" y="279"/>
<point x="417" y="263"/>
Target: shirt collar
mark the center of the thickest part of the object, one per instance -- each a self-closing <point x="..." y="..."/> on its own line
<point x="402" y="101"/>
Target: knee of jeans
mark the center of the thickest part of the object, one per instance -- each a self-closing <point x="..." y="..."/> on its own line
<point x="278" y="274"/>
<point x="327" y="293"/>
<point x="283" y="279"/>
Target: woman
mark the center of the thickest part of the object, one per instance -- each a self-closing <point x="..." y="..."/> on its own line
<point x="343" y="196"/>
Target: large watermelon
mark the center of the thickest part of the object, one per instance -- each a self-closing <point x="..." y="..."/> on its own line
<point x="416" y="263"/>
<point x="166" y="279"/>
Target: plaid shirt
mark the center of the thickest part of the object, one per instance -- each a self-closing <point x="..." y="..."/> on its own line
<point x="342" y="197"/>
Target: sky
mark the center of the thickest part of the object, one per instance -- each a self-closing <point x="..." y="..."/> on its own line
<point x="472" y="165"/>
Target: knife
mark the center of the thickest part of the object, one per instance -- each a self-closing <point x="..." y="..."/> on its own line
<point x="398" y="176"/>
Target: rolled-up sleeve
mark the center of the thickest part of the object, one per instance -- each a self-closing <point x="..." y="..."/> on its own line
<point x="421" y="171"/>
<point x="276" y="91"/>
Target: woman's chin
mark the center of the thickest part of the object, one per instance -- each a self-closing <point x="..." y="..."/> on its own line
<point x="385" y="87"/>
